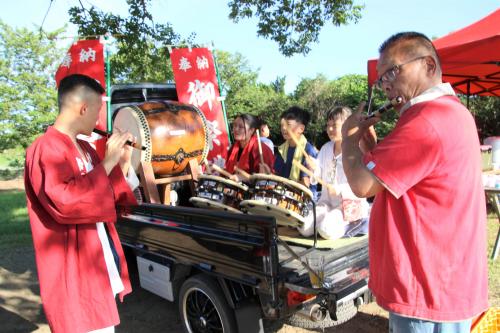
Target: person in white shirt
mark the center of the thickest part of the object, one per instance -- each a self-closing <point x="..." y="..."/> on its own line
<point x="264" y="134"/>
<point x="337" y="206"/>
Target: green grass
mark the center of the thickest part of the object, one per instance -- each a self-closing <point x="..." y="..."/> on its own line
<point x="15" y="232"/>
<point x="14" y="224"/>
<point x="493" y="265"/>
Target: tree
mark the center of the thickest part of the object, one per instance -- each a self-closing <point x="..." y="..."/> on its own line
<point x="279" y="84"/>
<point x="235" y="73"/>
<point x="486" y="111"/>
<point x="142" y="45"/>
<point x="28" y="61"/>
<point x="295" y="24"/>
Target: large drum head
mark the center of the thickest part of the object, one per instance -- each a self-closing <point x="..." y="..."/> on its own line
<point x="273" y="179"/>
<point x="211" y="204"/>
<point x="218" y="193"/>
<point x="132" y="119"/>
<point x="225" y="181"/>
<point x="283" y="216"/>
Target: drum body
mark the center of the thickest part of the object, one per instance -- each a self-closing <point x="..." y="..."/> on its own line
<point x="173" y="134"/>
<point x="288" y="201"/>
<point x="219" y="193"/>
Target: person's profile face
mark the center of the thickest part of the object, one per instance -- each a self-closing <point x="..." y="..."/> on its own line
<point x="291" y="126"/>
<point x="264" y="131"/>
<point x="334" y="129"/>
<point x="406" y="72"/>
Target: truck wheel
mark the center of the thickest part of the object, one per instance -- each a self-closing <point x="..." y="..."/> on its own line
<point x="344" y="313"/>
<point x="203" y="307"/>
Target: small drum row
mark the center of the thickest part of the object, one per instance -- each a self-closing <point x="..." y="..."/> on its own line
<point x="288" y="201"/>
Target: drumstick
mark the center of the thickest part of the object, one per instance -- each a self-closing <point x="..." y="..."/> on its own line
<point x="207" y="167"/>
<point x="294" y="139"/>
<point x="260" y="146"/>
<point x="311" y="174"/>
<point x="107" y="135"/>
<point x="242" y="172"/>
<point x="221" y="171"/>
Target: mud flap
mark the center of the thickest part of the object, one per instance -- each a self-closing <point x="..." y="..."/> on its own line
<point x="249" y="318"/>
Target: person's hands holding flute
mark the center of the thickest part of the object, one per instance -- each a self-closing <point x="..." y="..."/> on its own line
<point x="117" y="152"/>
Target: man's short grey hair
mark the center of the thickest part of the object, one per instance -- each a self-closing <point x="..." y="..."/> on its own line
<point x="417" y="38"/>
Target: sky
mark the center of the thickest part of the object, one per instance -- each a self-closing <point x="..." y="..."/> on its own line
<point x="340" y="50"/>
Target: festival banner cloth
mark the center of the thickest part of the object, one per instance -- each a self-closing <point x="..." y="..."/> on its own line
<point x="196" y="84"/>
<point x="87" y="57"/>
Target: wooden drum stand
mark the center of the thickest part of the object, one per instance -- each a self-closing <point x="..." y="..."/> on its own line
<point x="150" y="183"/>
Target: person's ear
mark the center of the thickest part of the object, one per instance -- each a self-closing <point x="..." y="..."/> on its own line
<point x="431" y="65"/>
<point x="301" y="128"/>
<point x="83" y="109"/>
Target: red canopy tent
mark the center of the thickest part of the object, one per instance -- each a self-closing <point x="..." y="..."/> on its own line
<point x="470" y="58"/>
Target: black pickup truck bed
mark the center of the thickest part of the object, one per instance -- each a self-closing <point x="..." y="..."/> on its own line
<point x="246" y="251"/>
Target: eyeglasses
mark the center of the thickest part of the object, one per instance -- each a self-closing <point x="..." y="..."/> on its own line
<point x="391" y="74"/>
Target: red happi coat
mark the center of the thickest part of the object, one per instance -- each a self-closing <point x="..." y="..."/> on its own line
<point x="64" y="205"/>
<point x="249" y="158"/>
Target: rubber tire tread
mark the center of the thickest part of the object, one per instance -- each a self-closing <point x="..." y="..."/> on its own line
<point x="212" y="288"/>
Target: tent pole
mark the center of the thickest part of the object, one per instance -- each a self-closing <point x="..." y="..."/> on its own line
<point x="468" y="94"/>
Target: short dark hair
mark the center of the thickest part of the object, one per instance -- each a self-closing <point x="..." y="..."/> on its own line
<point x="262" y="121"/>
<point x="417" y="37"/>
<point x="73" y="81"/>
<point x="298" y="114"/>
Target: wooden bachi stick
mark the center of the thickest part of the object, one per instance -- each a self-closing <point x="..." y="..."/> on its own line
<point x="309" y="159"/>
<point x="221" y="171"/>
<point x="242" y="172"/>
<point x="208" y="169"/>
<point x="311" y="174"/>
<point x="260" y="146"/>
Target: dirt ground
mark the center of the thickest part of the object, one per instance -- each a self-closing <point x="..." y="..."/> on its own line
<point x="141" y="312"/>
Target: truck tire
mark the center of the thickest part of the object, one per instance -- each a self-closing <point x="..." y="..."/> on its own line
<point x="344" y="313"/>
<point x="203" y="307"/>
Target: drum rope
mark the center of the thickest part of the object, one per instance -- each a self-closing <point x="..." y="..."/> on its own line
<point x="178" y="157"/>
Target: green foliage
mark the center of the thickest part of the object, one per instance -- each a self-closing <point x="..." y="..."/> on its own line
<point x="11" y="163"/>
<point x="142" y="53"/>
<point x="235" y="73"/>
<point x="319" y="95"/>
<point x="486" y="111"/>
<point x="294" y="25"/>
<point x="27" y="90"/>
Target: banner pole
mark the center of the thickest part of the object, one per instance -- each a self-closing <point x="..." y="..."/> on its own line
<point x="108" y="84"/>
<point x="220" y="94"/>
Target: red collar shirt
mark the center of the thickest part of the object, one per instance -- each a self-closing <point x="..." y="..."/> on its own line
<point x="428" y="227"/>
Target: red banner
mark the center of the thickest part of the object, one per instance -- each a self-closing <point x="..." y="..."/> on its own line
<point x="196" y="84"/>
<point x="87" y="57"/>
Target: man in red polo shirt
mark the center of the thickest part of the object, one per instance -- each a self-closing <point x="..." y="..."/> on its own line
<point x="428" y="263"/>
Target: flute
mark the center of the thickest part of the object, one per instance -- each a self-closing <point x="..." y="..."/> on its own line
<point x="387" y="106"/>
<point x="107" y="135"/>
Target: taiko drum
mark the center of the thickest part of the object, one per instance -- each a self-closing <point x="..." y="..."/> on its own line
<point x="173" y="133"/>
